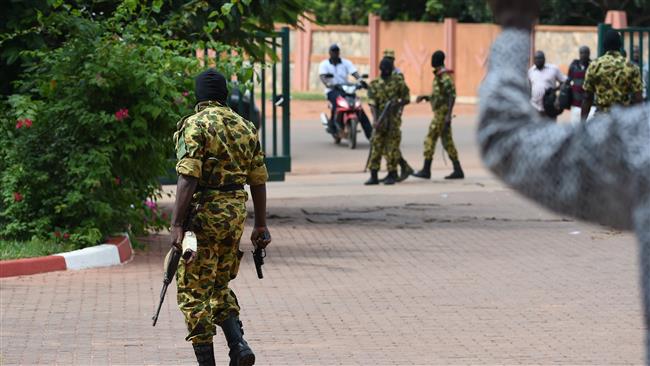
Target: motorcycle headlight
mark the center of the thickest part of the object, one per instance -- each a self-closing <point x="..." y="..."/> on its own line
<point x="342" y="103"/>
<point x="349" y="89"/>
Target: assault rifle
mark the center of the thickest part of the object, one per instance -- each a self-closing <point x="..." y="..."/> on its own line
<point x="171" y="264"/>
<point x="379" y="125"/>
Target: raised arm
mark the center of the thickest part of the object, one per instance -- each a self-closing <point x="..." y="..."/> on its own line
<point x="592" y="171"/>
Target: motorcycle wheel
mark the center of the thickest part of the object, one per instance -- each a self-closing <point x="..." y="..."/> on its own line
<point x="352" y="134"/>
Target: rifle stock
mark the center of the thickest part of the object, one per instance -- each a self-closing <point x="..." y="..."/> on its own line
<point x="171" y="264"/>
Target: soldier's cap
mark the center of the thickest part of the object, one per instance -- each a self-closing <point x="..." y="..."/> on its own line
<point x="389" y="53"/>
<point x="334" y="47"/>
<point x="211" y="86"/>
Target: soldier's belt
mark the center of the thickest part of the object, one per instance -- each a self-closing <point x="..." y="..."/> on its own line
<point x="226" y="188"/>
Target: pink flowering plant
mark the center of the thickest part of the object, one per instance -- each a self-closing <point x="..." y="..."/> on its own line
<point x="87" y="135"/>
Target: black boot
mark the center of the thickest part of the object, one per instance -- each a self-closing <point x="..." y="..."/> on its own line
<point x="373" y="178"/>
<point x="406" y="170"/>
<point x="457" y="173"/>
<point x="391" y="178"/>
<point x="204" y="354"/>
<point x="240" y="353"/>
<point x="426" y="170"/>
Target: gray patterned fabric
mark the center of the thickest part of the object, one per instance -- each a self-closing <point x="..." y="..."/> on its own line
<point x="598" y="171"/>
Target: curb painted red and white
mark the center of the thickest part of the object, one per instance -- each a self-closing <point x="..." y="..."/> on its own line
<point x="115" y="251"/>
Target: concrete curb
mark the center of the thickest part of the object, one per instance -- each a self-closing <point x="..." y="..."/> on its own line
<point x="116" y="250"/>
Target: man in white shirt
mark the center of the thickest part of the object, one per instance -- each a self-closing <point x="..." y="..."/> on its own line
<point x="542" y="77"/>
<point x="336" y="70"/>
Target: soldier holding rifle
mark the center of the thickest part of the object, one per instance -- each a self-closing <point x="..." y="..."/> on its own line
<point x="388" y="90"/>
<point x="218" y="153"/>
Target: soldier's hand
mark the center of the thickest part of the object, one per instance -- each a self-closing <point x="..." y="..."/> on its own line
<point x="191" y="259"/>
<point x="177" y="234"/>
<point x="261" y="237"/>
<point x="520" y="14"/>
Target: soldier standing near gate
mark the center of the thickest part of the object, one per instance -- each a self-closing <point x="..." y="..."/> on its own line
<point x="405" y="168"/>
<point x="218" y="152"/>
<point x="442" y="101"/>
<point x="389" y="87"/>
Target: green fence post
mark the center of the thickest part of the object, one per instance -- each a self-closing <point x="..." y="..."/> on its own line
<point x="286" y="94"/>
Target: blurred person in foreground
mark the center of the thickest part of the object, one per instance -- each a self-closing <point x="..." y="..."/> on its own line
<point x="598" y="172"/>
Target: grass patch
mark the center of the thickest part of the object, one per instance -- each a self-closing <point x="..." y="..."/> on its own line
<point x="34" y="248"/>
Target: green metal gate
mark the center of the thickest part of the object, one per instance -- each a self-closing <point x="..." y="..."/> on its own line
<point x="633" y="37"/>
<point x="277" y="142"/>
<point x="275" y="133"/>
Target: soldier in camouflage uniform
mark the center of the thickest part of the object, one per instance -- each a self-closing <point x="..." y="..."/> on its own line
<point x="218" y="153"/>
<point x="387" y="137"/>
<point x="405" y="168"/>
<point x="442" y="101"/>
<point x="611" y="79"/>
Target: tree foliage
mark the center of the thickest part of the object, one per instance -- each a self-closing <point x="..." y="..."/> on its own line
<point x="96" y="90"/>
<point x="580" y="12"/>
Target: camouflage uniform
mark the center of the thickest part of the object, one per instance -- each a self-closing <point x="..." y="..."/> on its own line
<point x="220" y="148"/>
<point x="443" y="89"/>
<point x="613" y="80"/>
<point x="386" y="141"/>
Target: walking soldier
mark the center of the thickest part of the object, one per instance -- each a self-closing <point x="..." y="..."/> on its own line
<point x="218" y="152"/>
<point x="442" y="101"/>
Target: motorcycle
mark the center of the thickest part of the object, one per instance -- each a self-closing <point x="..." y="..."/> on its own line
<point x="348" y="113"/>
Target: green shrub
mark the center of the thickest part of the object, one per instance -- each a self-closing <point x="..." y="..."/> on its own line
<point x="84" y="140"/>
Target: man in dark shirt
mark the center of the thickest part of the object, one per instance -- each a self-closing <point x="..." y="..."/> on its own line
<point x="577" y="72"/>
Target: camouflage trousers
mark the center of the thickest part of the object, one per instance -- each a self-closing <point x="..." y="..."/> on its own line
<point x="437" y="130"/>
<point x="203" y="293"/>
<point x="385" y="144"/>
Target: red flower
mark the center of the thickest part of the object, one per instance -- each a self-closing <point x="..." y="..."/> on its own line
<point x="118" y="181"/>
<point x="57" y="234"/>
<point x="19" y="124"/>
<point x="18" y="197"/>
<point x="122" y="114"/>
<point x="66" y="236"/>
<point x="186" y="93"/>
<point x="27" y="122"/>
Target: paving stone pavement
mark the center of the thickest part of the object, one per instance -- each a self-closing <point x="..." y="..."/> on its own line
<point x="455" y="277"/>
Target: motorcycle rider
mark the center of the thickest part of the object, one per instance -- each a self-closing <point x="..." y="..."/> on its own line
<point x="336" y="70"/>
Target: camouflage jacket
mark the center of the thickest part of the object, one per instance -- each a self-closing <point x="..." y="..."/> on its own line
<point x="380" y="91"/>
<point x="443" y="89"/>
<point x="613" y="80"/>
<point x="219" y="147"/>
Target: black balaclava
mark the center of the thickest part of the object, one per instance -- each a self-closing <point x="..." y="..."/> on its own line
<point x="386" y="67"/>
<point x="612" y="41"/>
<point x="438" y="59"/>
<point x="211" y="86"/>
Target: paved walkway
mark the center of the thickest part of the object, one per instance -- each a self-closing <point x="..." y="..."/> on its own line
<point x="423" y="273"/>
<point x="473" y="276"/>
